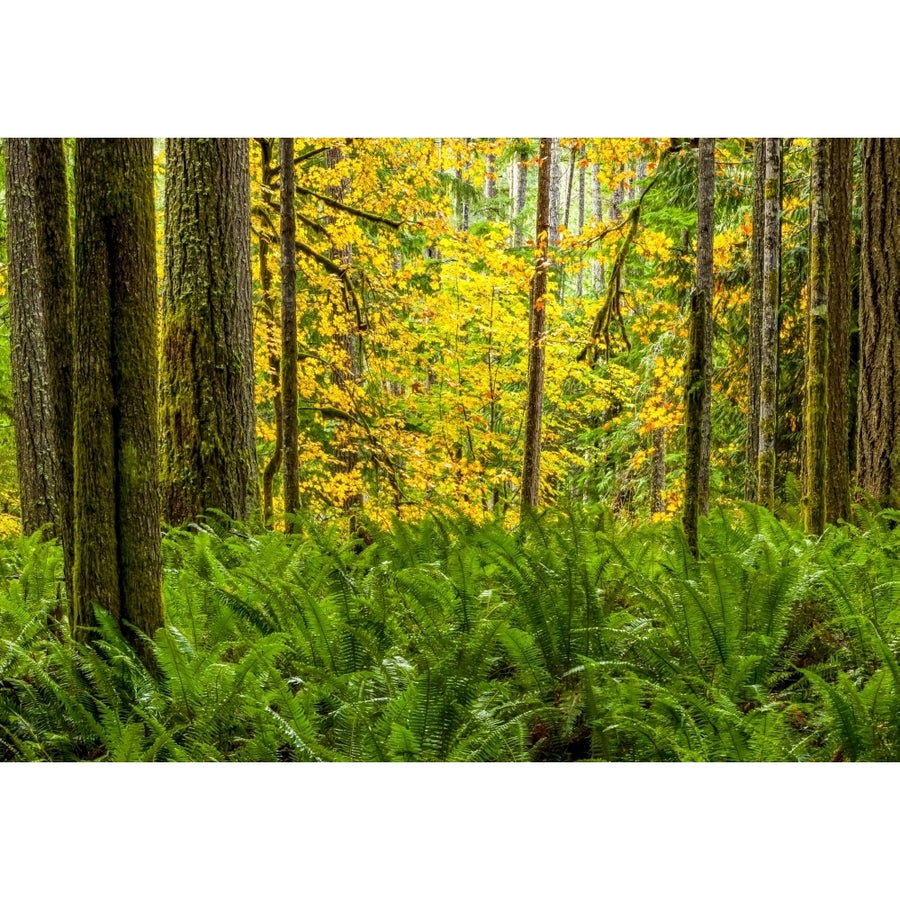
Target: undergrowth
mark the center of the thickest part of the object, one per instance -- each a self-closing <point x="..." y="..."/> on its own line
<point x="570" y="638"/>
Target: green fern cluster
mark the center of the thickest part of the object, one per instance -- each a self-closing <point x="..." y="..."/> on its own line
<point x="569" y="638"/>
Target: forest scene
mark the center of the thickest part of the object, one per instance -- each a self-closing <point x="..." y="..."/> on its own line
<point x="450" y="449"/>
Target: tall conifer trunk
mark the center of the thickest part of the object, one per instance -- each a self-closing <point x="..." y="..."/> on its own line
<point x="531" y="468"/>
<point x="840" y="199"/>
<point x="289" y="402"/>
<point x="698" y="374"/>
<point x="768" y="389"/>
<point x="878" y="437"/>
<point x="208" y="411"/>
<point x="754" y="342"/>
<point x="706" y="191"/>
<point x="56" y="275"/>
<point x="816" y="413"/>
<point x="36" y="459"/>
<point x="117" y="523"/>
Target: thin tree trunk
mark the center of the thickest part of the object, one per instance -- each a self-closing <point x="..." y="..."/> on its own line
<point x="705" y="229"/>
<point x="878" y="439"/>
<point x="56" y="274"/>
<point x="840" y="197"/>
<point x="555" y="179"/>
<point x="579" y="287"/>
<point x="768" y="389"/>
<point x="816" y="413"/>
<point x="118" y="560"/>
<point x="268" y="308"/>
<point x="521" y="194"/>
<point x="536" y="334"/>
<point x="751" y="483"/>
<point x="597" y="273"/>
<point x="208" y="406"/>
<point x="658" y="471"/>
<point x="289" y="331"/>
<point x="490" y="181"/>
<point x="36" y="460"/>
<point x="698" y="370"/>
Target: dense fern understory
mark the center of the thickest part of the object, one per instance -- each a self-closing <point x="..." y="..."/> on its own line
<point x="568" y="639"/>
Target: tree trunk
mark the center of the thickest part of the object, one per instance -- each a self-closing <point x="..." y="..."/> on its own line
<point x="840" y="197"/>
<point x="816" y="413"/>
<point x="768" y="388"/>
<point x="56" y="275"/>
<point x="878" y="439"/>
<point x="490" y="180"/>
<point x="36" y="459"/>
<point x="521" y="193"/>
<point x="268" y="308"/>
<point x="658" y="471"/>
<point x="209" y="412"/>
<point x="579" y="286"/>
<point x="536" y="334"/>
<point x="289" y="402"/>
<point x="706" y="198"/>
<point x="555" y="189"/>
<point x="751" y="484"/>
<point x="597" y="273"/>
<point x="117" y="504"/>
<point x="698" y="371"/>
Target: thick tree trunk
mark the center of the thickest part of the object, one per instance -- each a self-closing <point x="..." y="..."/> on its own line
<point x="536" y="333"/>
<point x="117" y="505"/>
<point x="36" y="459"/>
<point x="754" y="344"/>
<point x="56" y="275"/>
<point x="840" y="197"/>
<point x="208" y="412"/>
<point x="706" y="197"/>
<point x="768" y="389"/>
<point x="289" y="402"/>
<point x="698" y="371"/>
<point x="816" y="412"/>
<point x="878" y="440"/>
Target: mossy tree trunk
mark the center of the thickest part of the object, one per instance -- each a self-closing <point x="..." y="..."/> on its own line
<point x="706" y="200"/>
<point x="273" y="340"/>
<point x="816" y="413"/>
<point x="289" y="402"/>
<point x="754" y="342"/>
<point x="36" y="458"/>
<point x="56" y="275"/>
<point x="698" y="374"/>
<point x="878" y="437"/>
<point x="208" y="412"/>
<point x="117" y="500"/>
<point x="768" y="388"/>
<point x="531" y="467"/>
<point x="840" y="301"/>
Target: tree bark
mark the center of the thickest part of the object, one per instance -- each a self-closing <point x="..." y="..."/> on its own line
<point x="117" y="504"/>
<point x="579" y="286"/>
<point x="840" y="230"/>
<point x="597" y="273"/>
<point x="209" y="412"/>
<point x="521" y="193"/>
<point x="816" y="413"/>
<point x="36" y="459"/>
<point x="768" y="389"/>
<point x="751" y="484"/>
<point x="706" y="191"/>
<point x="56" y="276"/>
<point x="698" y="370"/>
<point x="555" y="189"/>
<point x="536" y="335"/>
<point x="268" y="308"/>
<point x="289" y="402"/>
<point x="878" y="437"/>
